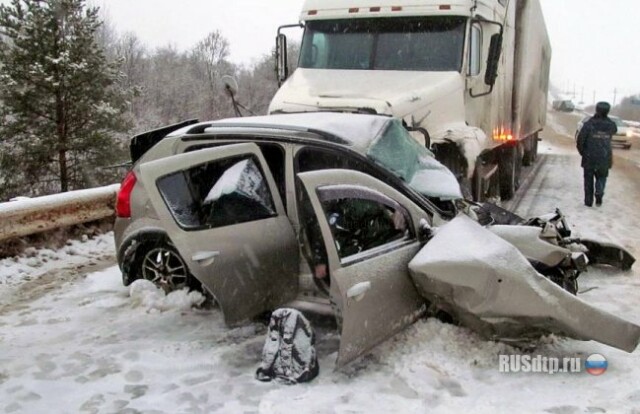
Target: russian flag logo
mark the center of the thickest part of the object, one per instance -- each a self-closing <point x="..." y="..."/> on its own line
<point x="596" y="364"/>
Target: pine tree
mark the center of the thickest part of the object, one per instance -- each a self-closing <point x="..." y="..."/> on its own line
<point x="62" y="102"/>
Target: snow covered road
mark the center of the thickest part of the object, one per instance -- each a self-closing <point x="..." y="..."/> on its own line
<point x="84" y="344"/>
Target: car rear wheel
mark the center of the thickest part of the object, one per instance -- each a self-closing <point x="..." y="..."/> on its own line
<point x="163" y="266"/>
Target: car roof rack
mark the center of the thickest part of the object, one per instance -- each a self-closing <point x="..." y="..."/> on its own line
<point x="326" y="135"/>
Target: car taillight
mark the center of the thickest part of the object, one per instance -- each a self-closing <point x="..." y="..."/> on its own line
<point x="123" y="203"/>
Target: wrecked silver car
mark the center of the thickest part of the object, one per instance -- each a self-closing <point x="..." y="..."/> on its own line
<point x="348" y="214"/>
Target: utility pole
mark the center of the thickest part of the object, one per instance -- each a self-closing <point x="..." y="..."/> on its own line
<point x="594" y="96"/>
<point x="615" y="93"/>
<point x="582" y="95"/>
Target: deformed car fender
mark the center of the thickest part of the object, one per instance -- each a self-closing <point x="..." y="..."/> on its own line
<point x="489" y="286"/>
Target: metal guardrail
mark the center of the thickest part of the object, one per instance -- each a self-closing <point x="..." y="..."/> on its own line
<point x="28" y="216"/>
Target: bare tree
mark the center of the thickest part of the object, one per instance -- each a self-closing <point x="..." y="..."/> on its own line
<point x="258" y="83"/>
<point x="133" y="54"/>
<point x="209" y="58"/>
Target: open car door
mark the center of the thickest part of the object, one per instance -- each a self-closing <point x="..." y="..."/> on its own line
<point x="370" y="232"/>
<point x="221" y="209"/>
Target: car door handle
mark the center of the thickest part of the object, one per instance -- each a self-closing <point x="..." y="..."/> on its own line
<point x="205" y="258"/>
<point x="358" y="290"/>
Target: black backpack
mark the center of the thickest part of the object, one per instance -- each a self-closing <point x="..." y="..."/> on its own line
<point x="289" y="353"/>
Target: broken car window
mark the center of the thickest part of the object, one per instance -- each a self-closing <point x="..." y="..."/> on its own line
<point x="273" y="154"/>
<point x="218" y="193"/>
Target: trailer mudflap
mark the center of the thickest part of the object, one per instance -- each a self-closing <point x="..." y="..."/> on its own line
<point x="608" y="254"/>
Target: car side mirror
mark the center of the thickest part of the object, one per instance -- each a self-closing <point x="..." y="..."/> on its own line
<point x="282" y="64"/>
<point x="425" y="230"/>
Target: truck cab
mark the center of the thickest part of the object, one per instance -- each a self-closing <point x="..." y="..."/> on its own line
<point x="455" y="72"/>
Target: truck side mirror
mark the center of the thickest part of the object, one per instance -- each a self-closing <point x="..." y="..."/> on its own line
<point x="282" y="64"/>
<point x="493" y="59"/>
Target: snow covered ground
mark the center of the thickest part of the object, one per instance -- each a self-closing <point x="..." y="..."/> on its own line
<point x="85" y="344"/>
<point x="39" y="269"/>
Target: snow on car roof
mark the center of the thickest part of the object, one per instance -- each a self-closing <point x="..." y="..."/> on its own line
<point x="357" y="129"/>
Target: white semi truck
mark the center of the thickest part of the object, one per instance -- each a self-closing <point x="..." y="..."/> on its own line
<point x="469" y="77"/>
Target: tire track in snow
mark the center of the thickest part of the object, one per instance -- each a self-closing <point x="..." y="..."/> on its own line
<point x="53" y="279"/>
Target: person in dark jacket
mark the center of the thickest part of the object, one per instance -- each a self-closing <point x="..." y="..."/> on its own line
<point x="594" y="145"/>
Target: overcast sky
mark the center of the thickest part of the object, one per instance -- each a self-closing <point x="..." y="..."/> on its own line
<point x="595" y="42"/>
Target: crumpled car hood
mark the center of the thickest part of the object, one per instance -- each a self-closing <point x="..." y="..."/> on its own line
<point x="489" y="286"/>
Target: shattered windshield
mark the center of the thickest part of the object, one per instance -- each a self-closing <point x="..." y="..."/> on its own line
<point x="398" y="152"/>
<point x="411" y="44"/>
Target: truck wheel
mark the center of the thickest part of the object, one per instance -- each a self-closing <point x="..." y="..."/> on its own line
<point x="519" y="156"/>
<point x="531" y="151"/>
<point x="509" y="171"/>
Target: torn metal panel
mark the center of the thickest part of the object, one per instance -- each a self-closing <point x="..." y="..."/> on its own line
<point x="489" y="213"/>
<point x="608" y="254"/>
<point x="490" y="287"/>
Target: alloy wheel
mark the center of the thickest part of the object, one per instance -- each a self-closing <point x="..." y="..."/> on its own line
<point x="165" y="268"/>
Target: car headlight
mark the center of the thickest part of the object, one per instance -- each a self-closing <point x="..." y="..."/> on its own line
<point x="629" y="133"/>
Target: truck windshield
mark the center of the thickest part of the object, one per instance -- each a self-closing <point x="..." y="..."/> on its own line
<point x="410" y="44"/>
